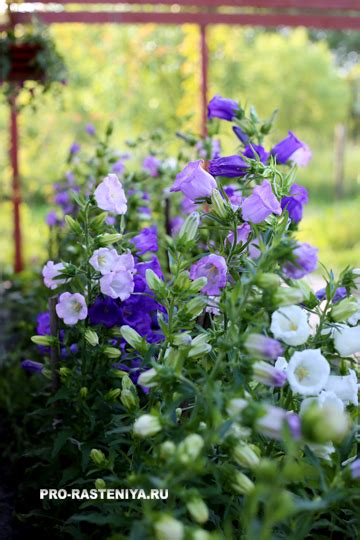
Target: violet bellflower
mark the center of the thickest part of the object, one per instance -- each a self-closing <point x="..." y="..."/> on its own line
<point x="74" y="148"/>
<point x="234" y="195"/>
<point x="255" y="151"/>
<point x="304" y="261"/>
<point x="31" y="366"/>
<point x="243" y="232"/>
<point x="105" y="311"/>
<point x="223" y="108"/>
<point x="228" y="166"/>
<point x="151" y="165"/>
<point x="214" y="268"/>
<point x="146" y="240"/>
<point x="194" y="182"/>
<point x="295" y="201"/>
<point x="241" y="135"/>
<point x="261" y="346"/>
<point x="110" y="196"/>
<point x="291" y="149"/>
<point x="51" y="218"/>
<point x="340" y="294"/>
<point x="260" y="204"/>
<point x="90" y="130"/>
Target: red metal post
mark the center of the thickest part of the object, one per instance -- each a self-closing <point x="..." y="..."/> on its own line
<point x="204" y="78"/>
<point x="16" y="195"/>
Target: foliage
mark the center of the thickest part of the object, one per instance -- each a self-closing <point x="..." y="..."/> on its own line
<point x="47" y="63"/>
<point x="180" y="392"/>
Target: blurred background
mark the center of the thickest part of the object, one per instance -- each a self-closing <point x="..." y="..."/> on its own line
<point x="147" y="77"/>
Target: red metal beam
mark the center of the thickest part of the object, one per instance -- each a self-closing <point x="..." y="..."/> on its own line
<point x="243" y="19"/>
<point x="16" y="188"/>
<point x="328" y="5"/>
<point x="204" y="55"/>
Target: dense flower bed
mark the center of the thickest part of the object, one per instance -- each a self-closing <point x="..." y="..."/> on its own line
<point x="188" y="352"/>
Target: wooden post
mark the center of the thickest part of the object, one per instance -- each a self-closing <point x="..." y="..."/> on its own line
<point x="16" y="186"/>
<point x="340" y="136"/>
<point x="54" y="351"/>
<point x="204" y="78"/>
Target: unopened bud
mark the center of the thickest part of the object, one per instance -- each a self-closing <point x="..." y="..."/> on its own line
<point x="100" y="483"/>
<point x="167" y="449"/>
<point x="64" y="372"/>
<point x="147" y="425"/>
<point x="268" y="280"/>
<point x="189" y="228"/>
<point x="108" y="239"/>
<point x="98" y="457"/>
<point x="196" y="306"/>
<point x="219" y="206"/>
<point x="197" y="285"/>
<point x="190" y="448"/>
<point x="74" y="225"/>
<point x="245" y="456"/>
<point x="91" y="337"/>
<point x="167" y="528"/>
<point x="99" y="220"/>
<point x="321" y="425"/>
<point x="183" y="338"/>
<point x="83" y="392"/>
<point x="111" y="352"/>
<point x="288" y="296"/>
<point x="344" y="309"/>
<point x="129" y="399"/>
<point x="43" y="340"/>
<point x="154" y="282"/>
<point x="113" y="394"/>
<point x="199" y="346"/>
<point x="133" y="338"/>
<point x="147" y="377"/>
<point x="242" y="484"/>
<point x="198" y="510"/>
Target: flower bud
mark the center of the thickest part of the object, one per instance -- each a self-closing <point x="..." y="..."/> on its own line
<point x="146" y="378"/>
<point x="113" y="394"/>
<point x="98" y="457"/>
<point x="91" y="337"/>
<point x="268" y="280"/>
<point x="178" y="412"/>
<point x="83" y="392"/>
<point x="197" y="285"/>
<point x="108" y="239"/>
<point x="242" y="484"/>
<point x="147" y="425"/>
<point x="288" y="296"/>
<point x="198" y="509"/>
<point x="268" y="374"/>
<point x="100" y="483"/>
<point x="245" y="456"/>
<point x="199" y="346"/>
<point x="134" y="339"/>
<point x="167" y="449"/>
<point x="111" y="352"/>
<point x="219" y="206"/>
<point x="261" y="346"/>
<point x="129" y="399"/>
<point x="43" y="340"/>
<point x="344" y="309"/>
<point x="196" y="306"/>
<point x="154" y="282"/>
<point x="99" y="220"/>
<point x="183" y="338"/>
<point x="190" y="448"/>
<point x="321" y="425"/>
<point x="74" y="225"/>
<point x="167" y="528"/>
<point x="189" y="228"/>
<point x="200" y="534"/>
<point x="64" y="372"/>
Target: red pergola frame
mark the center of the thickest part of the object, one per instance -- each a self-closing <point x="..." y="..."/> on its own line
<point x="329" y="14"/>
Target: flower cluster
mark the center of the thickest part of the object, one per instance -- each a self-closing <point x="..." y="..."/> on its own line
<point x="204" y="361"/>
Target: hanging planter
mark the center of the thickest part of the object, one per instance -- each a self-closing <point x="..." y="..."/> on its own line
<point x="22" y="63"/>
<point x="29" y="62"/>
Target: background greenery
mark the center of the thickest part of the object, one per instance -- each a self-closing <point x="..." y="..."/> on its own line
<point x="147" y="77"/>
